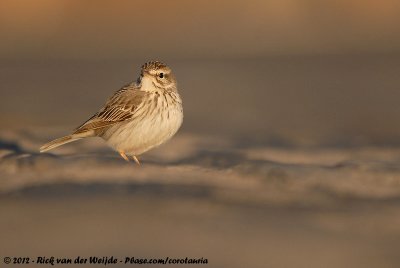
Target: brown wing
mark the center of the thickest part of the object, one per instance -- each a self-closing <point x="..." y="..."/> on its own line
<point x="120" y="107"/>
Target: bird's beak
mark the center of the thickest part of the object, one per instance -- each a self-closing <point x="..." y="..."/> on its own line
<point x="139" y="80"/>
<point x="142" y="75"/>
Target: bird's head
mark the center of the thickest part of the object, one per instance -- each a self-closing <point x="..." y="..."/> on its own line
<point x="155" y="75"/>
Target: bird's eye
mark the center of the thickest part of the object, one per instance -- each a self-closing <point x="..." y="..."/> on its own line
<point x="161" y="75"/>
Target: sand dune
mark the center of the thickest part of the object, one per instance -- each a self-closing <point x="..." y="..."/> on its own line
<point x="208" y="197"/>
<point x="255" y="173"/>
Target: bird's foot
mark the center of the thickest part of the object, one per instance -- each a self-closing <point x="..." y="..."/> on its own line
<point x="123" y="155"/>
<point x="136" y="159"/>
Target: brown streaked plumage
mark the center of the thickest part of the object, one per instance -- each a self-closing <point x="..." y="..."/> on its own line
<point x="137" y="117"/>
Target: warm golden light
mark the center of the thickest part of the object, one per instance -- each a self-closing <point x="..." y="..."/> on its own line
<point x="203" y="28"/>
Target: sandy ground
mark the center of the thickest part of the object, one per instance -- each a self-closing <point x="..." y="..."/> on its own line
<point x="259" y="207"/>
<point x="256" y="197"/>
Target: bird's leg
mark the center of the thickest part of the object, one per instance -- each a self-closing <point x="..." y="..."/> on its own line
<point x="123" y="155"/>
<point x="136" y="160"/>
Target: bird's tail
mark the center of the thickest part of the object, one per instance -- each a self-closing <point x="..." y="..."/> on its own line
<point x="64" y="140"/>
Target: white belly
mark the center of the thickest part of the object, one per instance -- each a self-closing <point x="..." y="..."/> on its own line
<point x="138" y="136"/>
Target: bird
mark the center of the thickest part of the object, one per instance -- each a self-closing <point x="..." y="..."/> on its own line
<point x="136" y="118"/>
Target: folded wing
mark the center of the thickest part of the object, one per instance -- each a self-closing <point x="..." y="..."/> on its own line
<point x="120" y="107"/>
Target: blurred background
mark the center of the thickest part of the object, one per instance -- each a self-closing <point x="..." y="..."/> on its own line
<point x="268" y="71"/>
<point x="288" y="155"/>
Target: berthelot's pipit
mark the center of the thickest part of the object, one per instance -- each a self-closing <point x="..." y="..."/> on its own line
<point x="138" y="117"/>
